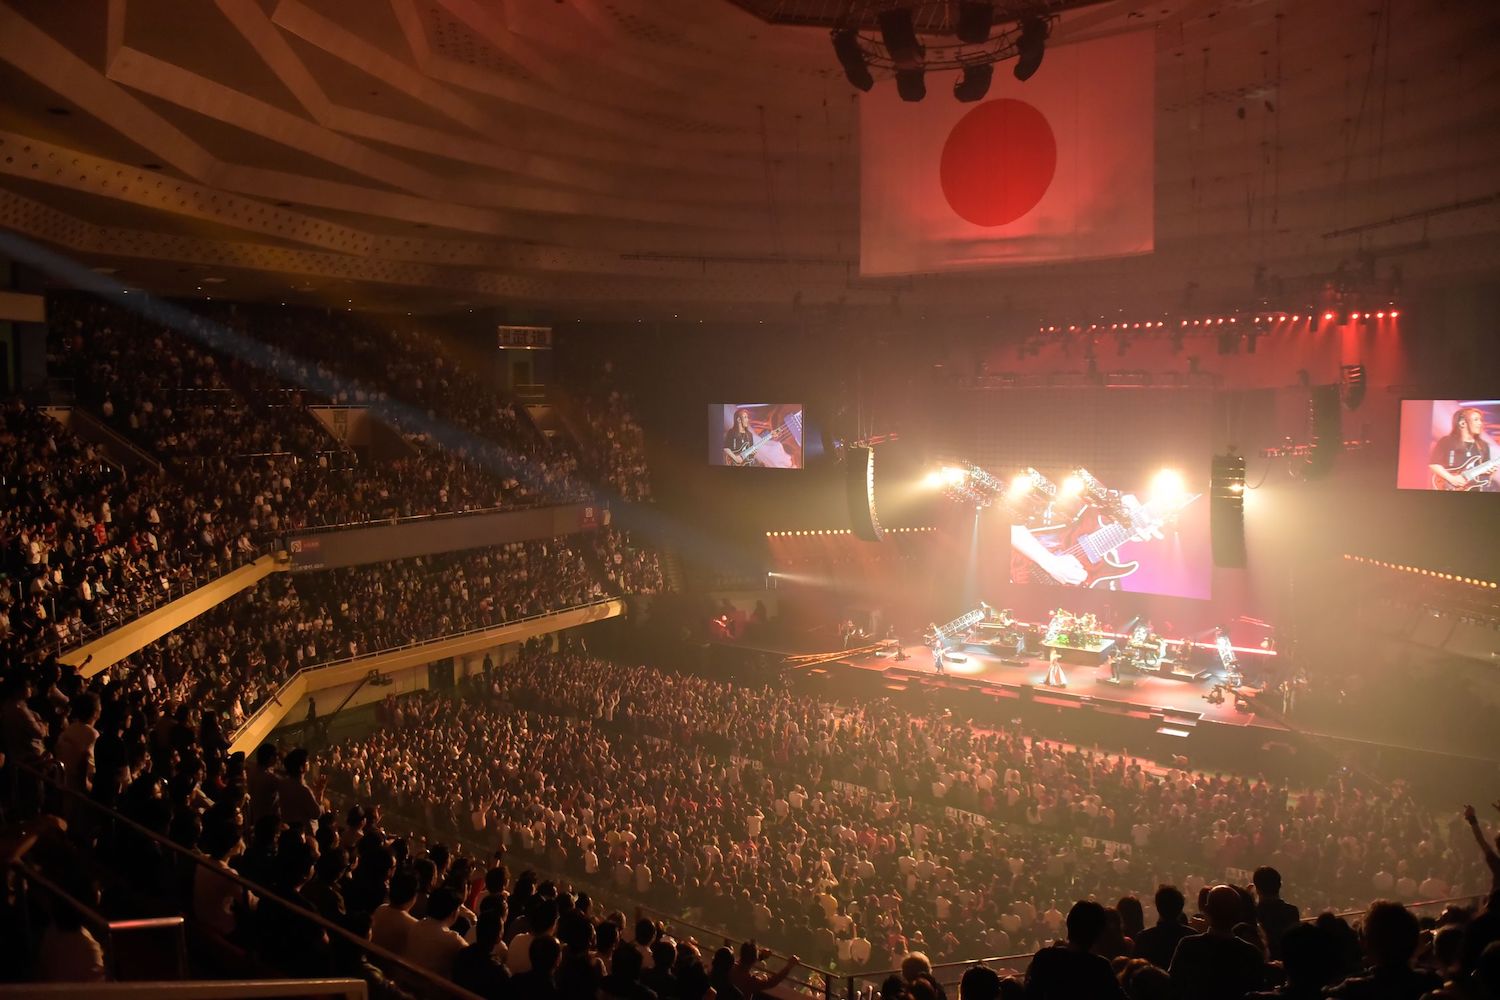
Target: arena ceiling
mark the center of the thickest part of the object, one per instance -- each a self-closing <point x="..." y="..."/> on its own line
<point x="657" y="157"/>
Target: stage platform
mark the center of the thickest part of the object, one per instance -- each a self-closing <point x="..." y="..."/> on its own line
<point x="1176" y="706"/>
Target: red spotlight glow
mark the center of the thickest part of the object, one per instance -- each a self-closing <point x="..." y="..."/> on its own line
<point x="1327" y="316"/>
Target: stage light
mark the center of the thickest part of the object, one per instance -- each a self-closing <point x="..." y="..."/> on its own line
<point x="911" y="84"/>
<point x="1031" y="45"/>
<point x="852" y="58"/>
<point x="953" y="475"/>
<point x="974" y="83"/>
<point x="1394" y="314"/>
<point x="1168" y="485"/>
<point x="974" y="21"/>
<point x="899" y="33"/>
<point x="933" y="480"/>
<point x="1236" y="487"/>
<point x="1327" y="316"/>
<point x="1020" y="484"/>
<point x="1072" y="486"/>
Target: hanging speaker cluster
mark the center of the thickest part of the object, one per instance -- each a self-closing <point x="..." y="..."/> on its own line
<point x="1327" y="427"/>
<point x="1226" y="512"/>
<point x="859" y="486"/>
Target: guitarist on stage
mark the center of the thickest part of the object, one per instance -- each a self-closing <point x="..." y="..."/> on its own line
<point x="1458" y="447"/>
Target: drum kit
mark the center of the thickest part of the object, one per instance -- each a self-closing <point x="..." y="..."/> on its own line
<point x="1068" y="629"/>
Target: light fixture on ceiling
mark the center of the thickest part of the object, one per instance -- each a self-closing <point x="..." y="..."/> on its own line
<point x="852" y="58"/>
<point x="974" y="21"/>
<point x="1031" y="46"/>
<point x="899" y="32"/>
<point x="911" y="84"/>
<point x="909" y="38"/>
<point x="974" y="83"/>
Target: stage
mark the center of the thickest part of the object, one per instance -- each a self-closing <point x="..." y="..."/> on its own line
<point x="1175" y="706"/>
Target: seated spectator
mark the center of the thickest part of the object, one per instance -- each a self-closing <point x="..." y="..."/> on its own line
<point x="392" y="922"/>
<point x="1072" y="971"/>
<point x="539" y="981"/>
<point x="1391" y="934"/>
<point x="432" y="943"/>
<point x="475" y="968"/>
<point x="1158" y="943"/>
<point x="1309" y="962"/>
<point x="1275" y="915"/>
<point x="1216" y="965"/>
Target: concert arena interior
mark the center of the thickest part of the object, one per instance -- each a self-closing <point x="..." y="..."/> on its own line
<point x="750" y="499"/>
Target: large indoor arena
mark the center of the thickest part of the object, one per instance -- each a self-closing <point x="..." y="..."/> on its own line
<point x="750" y="499"/>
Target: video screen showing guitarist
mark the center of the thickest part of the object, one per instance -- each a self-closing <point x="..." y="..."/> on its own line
<point x="1461" y="459"/>
<point x="1105" y="539"/>
<point x="764" y="435"/>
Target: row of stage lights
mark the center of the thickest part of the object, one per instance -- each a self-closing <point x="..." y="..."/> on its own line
<point x="844" y="531"/>
<point x="975" y="483"/>
<point x="1432" y="573"/>
<point x="1275" y="318"/>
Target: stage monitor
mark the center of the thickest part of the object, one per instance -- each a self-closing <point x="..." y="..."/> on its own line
<point x="1145" y="535"/>
<point x="760" y="435"/>
<point x="1449" y="445"/>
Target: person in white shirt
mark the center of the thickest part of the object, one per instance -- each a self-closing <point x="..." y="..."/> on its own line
<point x="391" y="924"/>
<point x="75" y="746"/>
<point x="432" y="943"/>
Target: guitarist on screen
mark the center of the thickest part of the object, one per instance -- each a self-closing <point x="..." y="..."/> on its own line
<point x="1083" y="551"/>
<point x="739" y="438"/>
<point x="1463" y="448"/>
<point x="744" y="447"/>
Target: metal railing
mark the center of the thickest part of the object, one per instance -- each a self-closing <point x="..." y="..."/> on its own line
<point x="155" y="599"/>
<point x="205" y="989"/>
<point x="110" y="931"/>
<point x="103" y="818"/>
<point x="284" y="688"/>
<point x="435" y="516"/>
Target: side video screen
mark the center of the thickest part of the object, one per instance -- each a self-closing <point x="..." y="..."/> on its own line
<point x="1448" y="445"/>
<point x="764" y="435"/>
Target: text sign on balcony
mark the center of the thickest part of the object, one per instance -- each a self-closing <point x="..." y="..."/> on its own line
<point x="525" y="338"/>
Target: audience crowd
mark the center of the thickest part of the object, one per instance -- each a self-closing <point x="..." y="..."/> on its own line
<point x="82" y="548"/>
<point x="231" y="658"/>
<point x="851" y="833"/>
<point x="245" y="462"/>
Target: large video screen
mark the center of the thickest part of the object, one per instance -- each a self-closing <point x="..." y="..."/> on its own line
<point x="1145" y="535"/>
<point x="1448" y="445"/>
<point x="761" y="435"/>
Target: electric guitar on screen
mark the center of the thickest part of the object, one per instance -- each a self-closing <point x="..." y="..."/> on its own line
<point x="1474" y="473"/>
<point x="1092" y="539"/>
<point x="791" y="426"/>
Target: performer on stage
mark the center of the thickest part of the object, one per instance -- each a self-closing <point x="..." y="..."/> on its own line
<point x="1055" y="675"/>
<point x="937" y="657"/>
<point x="1456" y="448"/>
<point x="1114" y="666"/>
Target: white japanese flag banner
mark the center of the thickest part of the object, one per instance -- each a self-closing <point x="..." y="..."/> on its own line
<point x="1060" y="167"/>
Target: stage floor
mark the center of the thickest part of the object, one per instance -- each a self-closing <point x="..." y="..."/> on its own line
<point x="1137" y="694"/>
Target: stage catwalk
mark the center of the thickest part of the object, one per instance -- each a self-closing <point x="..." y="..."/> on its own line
<point x="1137" y="695"/>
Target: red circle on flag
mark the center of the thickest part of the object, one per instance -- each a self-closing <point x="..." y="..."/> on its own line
<point x="998" y="162"/>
